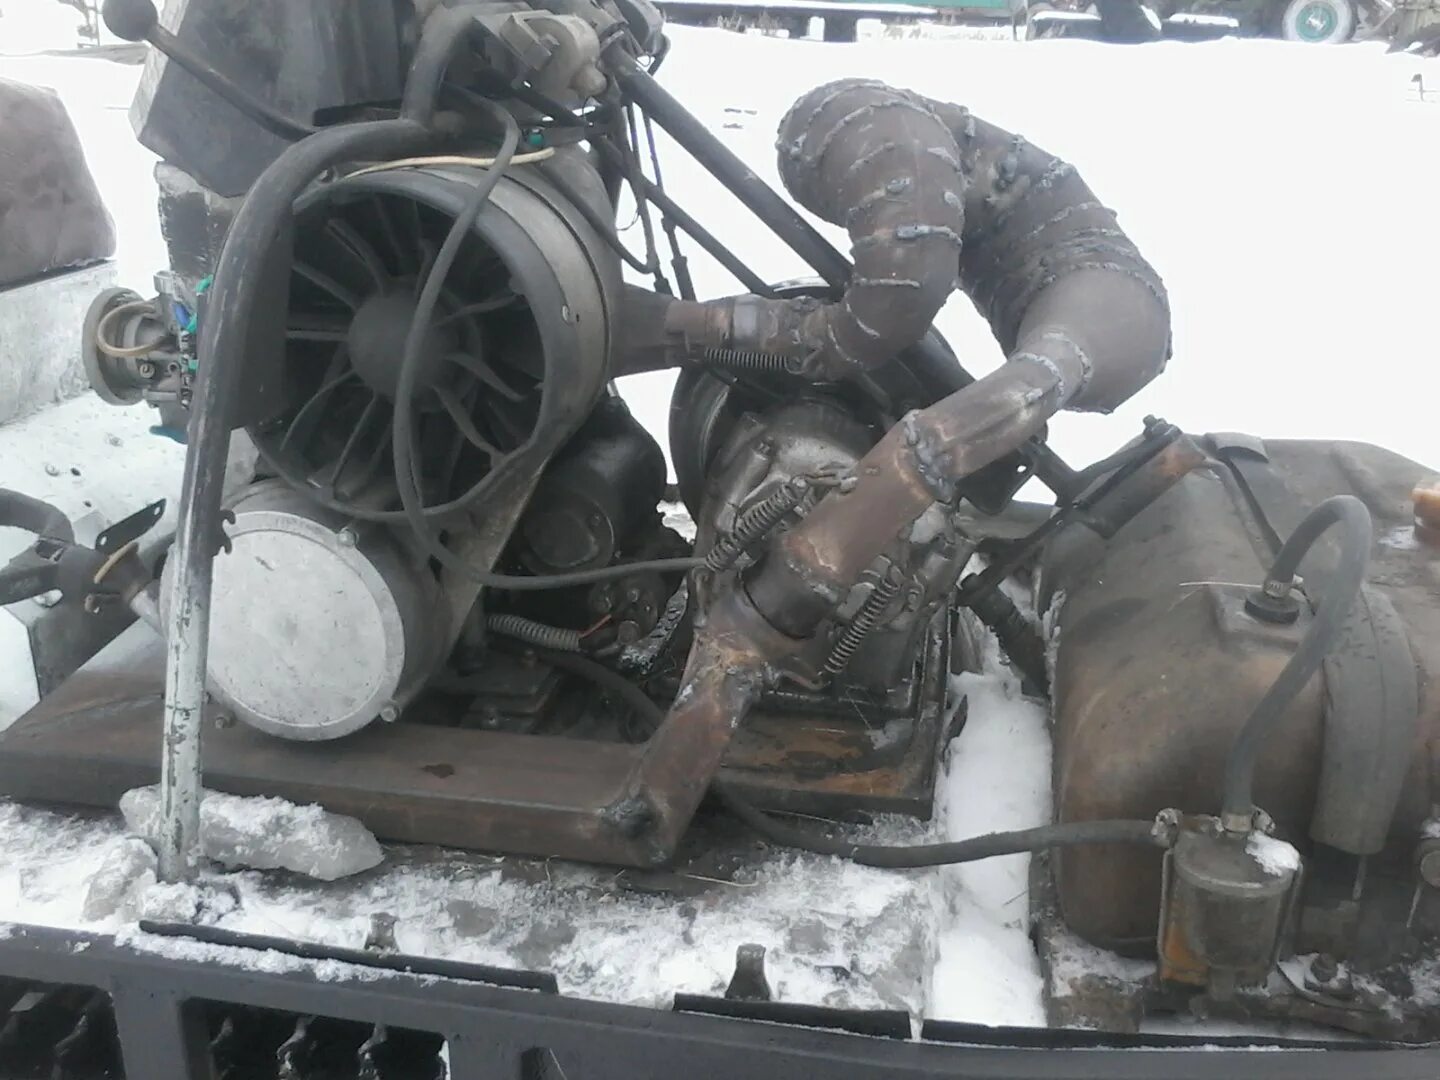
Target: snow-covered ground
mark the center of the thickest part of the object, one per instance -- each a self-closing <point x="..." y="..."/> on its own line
<point x="1286" y="193"/>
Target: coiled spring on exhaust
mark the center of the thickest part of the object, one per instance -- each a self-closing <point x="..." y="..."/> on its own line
<point x="541" y="635"/>
<point x="756" y="523"/>
<point x="865" y="619"/>
<point x="749" y="361"/>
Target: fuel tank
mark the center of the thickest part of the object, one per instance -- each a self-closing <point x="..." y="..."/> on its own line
<point x="1157" y="662"/>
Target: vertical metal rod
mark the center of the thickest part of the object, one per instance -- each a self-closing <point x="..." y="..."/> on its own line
<point x="224" y="326"/>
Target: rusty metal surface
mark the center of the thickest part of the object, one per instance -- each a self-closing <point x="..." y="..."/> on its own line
<point x="1152" y="623"/>
<point x="99" y="735"/>
<point x="854" y="758"/>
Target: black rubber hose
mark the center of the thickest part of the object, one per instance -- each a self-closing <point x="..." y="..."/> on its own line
<point x="610" y="681"/>
<point x="403" y="436"/>
<point x="910" y="857"/>
<point x="444" y="31"/>
<point x="30" y="515"/>
<point x="1353" y="519"/>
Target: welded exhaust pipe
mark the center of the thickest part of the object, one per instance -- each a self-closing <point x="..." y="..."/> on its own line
<point x="933" y="197"/>
<point x="930" y="195"/>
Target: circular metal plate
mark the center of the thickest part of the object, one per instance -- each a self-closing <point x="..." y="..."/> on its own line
<point x="306" y="639"/>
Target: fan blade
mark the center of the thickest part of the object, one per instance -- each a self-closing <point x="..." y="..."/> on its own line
<point x="383" y="209"/>
<point x="463" y="421"/>
<point x="486" y="374"/>
<point x="369" y="258"/>
<point x="372" y="409"/>
<point x="305" y="410"/>
<point x="317" y="326"/>
<point x="328" y="284"/>
<point x="483" y="307"/>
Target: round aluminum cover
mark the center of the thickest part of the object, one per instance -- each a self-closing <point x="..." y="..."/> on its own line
<point x="306" y="639"/>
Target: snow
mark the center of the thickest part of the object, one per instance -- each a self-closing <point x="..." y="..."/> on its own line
<point x="127" y="871"/>
<point x="997" y="777"/>
<point x="1276" y="857"/>
<point x="1285" y="193"/>
<point x="263" y="833"/>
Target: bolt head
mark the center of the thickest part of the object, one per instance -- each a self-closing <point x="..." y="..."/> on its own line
<point x="390" y="713"/>
<point x="1428" y="863"/>
<point x="346" y="538"/>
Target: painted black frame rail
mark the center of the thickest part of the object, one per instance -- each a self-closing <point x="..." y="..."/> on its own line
<point x="160" y="989"/>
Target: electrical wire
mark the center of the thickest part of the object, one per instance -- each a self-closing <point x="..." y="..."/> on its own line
<point x="917" y="856"/>
<point x="125" y="352"/>
<point x="558" y="639"/>
<point x="403" y="442"/>
<point x="453" y="159"/>
<point x="606" y="679"/>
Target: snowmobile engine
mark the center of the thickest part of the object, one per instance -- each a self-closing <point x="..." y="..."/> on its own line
<point x="430" y="570"/>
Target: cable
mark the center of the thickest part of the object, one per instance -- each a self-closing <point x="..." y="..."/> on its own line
<point x="125" y="352"/>
<point x="910" y="857"/>
<point x="452" y="159"/>
<point x="1353" y="519"/>
<point x="403" y="434"/>
<point x="606" y="229"/>
<point x="558" y="639"/>
<point x="603" y="677"/>
<point x="444" y="33"/>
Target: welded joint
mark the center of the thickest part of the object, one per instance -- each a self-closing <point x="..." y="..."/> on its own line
<point x="866" y="158"/>
<point x="948" y="158"/>
<point x="1066" y="391"/>
<point x="907" y="234"/>
<point x="869" y="331"/>
<point x="839" y="350"/>
<point x="1064" y="214"/>
<point x="928" y="458"/>
<point x="861" y="113"/>
<point x="838" y="88"/>
<point x="890" y="192"/>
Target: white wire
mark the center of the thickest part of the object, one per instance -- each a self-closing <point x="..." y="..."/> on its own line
<point x="449" y="159"/>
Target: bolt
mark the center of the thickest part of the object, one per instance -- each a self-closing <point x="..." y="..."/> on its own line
<point x="346" y="537"/>
<point x="146" y="369"/>
<point x="223" y="721"/>
<point x="390" y="712"/>
<point x="52" y="470"/>
<point x="632" y="594"/>
<point x="1427" y="862"/>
